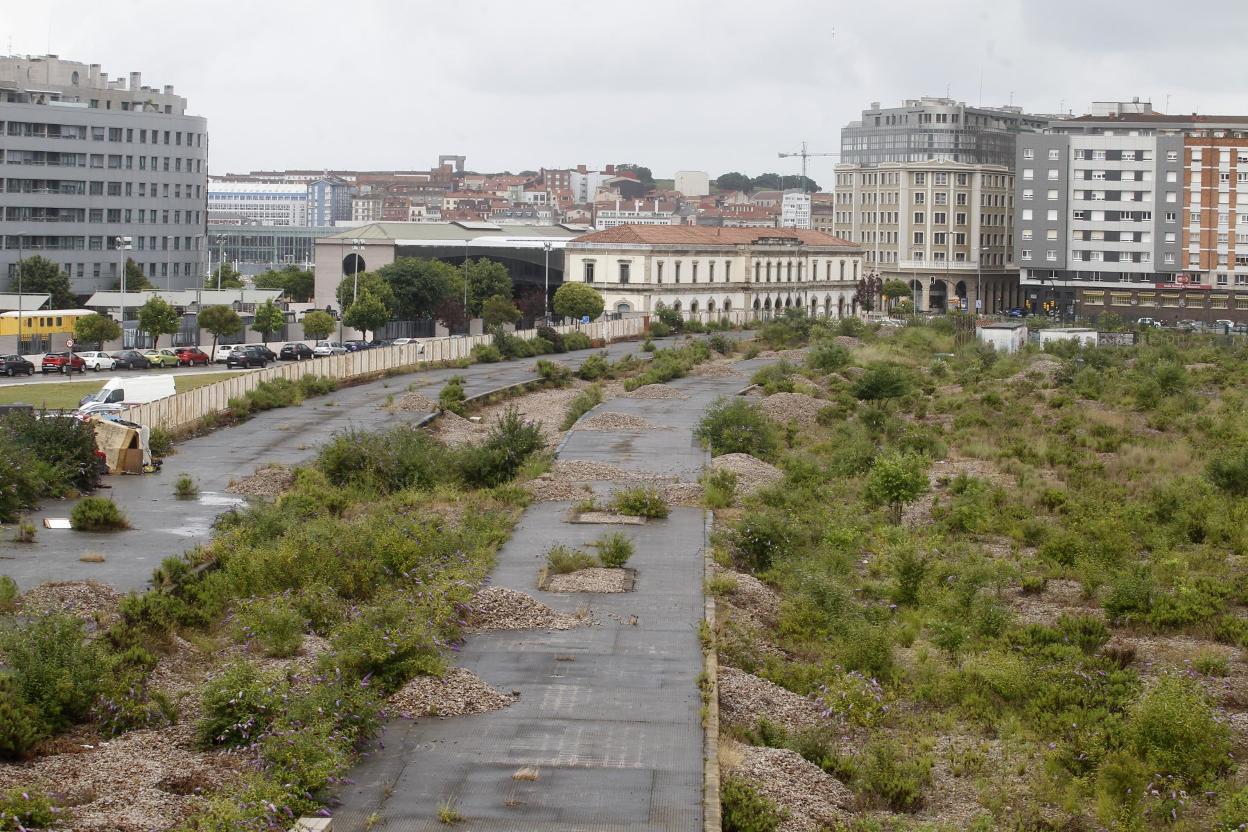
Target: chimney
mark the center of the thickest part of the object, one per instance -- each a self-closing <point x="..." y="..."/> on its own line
<point x="136" y="81"/>
<point x="168" y="89"/>
<point x="580" y="169"/>
<point x="610" y="170"/>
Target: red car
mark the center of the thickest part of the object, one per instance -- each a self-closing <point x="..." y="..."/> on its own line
<point x="62" y="362"/>
<point x="190" y="356"/>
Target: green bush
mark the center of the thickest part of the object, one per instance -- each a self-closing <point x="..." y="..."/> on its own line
<point x="238" y="706"/>
<point x="894" y="777"/>
<point x="8" y="594"/>
<point x="744" y="810"/>
<point x="896" y="479"/>
<point x="54" y="668"/>
<point x="21" y="727"/>
<point x="882" y="381"/>
<point x="510" y="443"/>
<point x="97" y="514"/>
<point x="614" y="549"/>
<point x="63" y="445"/>
<point x="648" y="344"/>
<point x="721" y="343"/>
<point x="1233" y="812"/>
<point x="775" y="378"/>
<point x="719" y="488"/>
<point x="827" y="357"/>
<point x="274" y="624"/>
<point x="185" y="487"/>
<point x="452" y="396"/>
<point x="486" y="354"/>
<point x="735" y="425"/>
<point x="554" y="373"/>
<point x="22" y="809"/>
<point x="551" y="335"/>
<point x="1175" y="729"/>
<point x="595" y="367"/>
<point x="160" y="442"/>
<point x="759" y="539"/>
<point x="313" y="385"/>
<point x="1228" y="470"/>
<point x="585" y="401"/>
<point x="560" y="560"/>
<point x="387" y="642"/>
<point x="22" y="482"/>
<point x="641" y="501"/>
<point x="126" y="704"/>
<point x="573" y="341"/>
<point x="403" y="457"/>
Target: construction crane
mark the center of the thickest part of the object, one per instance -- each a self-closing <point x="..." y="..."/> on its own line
<point x="805" y="154"/>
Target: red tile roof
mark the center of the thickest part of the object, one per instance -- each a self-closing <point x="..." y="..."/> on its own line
<point x="706" y="236"/>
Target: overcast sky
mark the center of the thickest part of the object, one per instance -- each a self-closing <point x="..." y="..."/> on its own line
<point x="710" y="85"/>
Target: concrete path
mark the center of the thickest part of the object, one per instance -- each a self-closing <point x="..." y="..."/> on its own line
<point x="609" y="714"/>
<point x="164" y="525"/>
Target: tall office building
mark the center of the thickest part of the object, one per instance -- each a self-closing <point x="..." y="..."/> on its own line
<point x="87" y="161"/>
<point x="936" y="129"/>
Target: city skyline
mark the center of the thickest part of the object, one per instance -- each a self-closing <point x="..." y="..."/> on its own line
<point x="520" y="88"/>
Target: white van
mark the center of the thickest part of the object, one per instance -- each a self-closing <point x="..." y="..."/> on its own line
<point x="118" y="393"/>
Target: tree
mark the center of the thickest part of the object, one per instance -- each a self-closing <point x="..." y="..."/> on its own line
<point x="40" y="276"/>
<point x="733" y="181"/>
<point x="269" y="318"/>
<point x="157" y="317"/>
<point x="486" y="278"/>
<point x="499" y="310"/>
<point x="136" y="280"/>
<point x="767" y="181"/>
<point x="368" y="314"/>
<point x="230" y="278"/>
<point x="96" y="329"/>
<point x="451" y="313"/>
<point x="893" y="289"/>
<point x="420" y="286"/>
<point x="317" y="324"/>
<point x="220" y="320"/>
<point x="297" y="284"/>
<point x="532" y="303"/>
<point x="644" y="174"/>
<point x="576" y="300"/>
<point x="371" y="282"/>
<point x="897" y="479"/>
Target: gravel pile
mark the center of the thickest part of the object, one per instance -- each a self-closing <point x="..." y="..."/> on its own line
<point x="849" y="342"/>
<point x="1044" y="368"/>
<point x="82" y="599"/>
<point x="795" y="356"/>
<point x="595" y="579"/>
<point x="752" y="474"/>
<point x="752" y="595"/>
<point x="550" y="489"/>
<point x="813" y="798"/>
<point x="793" y="407"/>
<point x="580" y="470"/>
<point x="413" y="402"/>
<point x="618" y="421"/>
<point x="457" y="693"/>
<point x="656" y="391"/>
<point x="455" y="430"/>
<point x="745" y="698"/>
<point x="682" y="493"/>
<point x="715" y="369"/>
<point x="498" y="608"/>
<point x="269" y="481"/>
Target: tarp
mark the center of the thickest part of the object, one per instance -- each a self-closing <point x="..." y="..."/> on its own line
<point x="114" y="438"/>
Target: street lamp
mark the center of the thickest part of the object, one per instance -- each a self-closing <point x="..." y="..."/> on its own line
<point x="19" y="294"/>
<point x="546" y="247"/>
<point x="220" y="258"/>
<point x="467" y="320"/>
<point x="979" y="270"/>
<point x="123" y="245"/>
<point x="356" y="245"/>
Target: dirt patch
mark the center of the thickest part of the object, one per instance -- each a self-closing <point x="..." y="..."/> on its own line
<point x="618" y="421"/>
<point x="813" y="798"/>
<point x="715" y="369"/>
<point x="499" y="608"/>
<point x="849" y="342"/>
<point x="594" y="579"/>
<point x="413" y="402"/>
<point x="81" y="599"/>
<point x="1044" y="368"/>
<point x="744" y="699"/>
<point x="793" y="407"/>
<point x="752" y="595"/>
<point x="270" y="481"/>
<point x="752" y="473"/>
<point x="1059" y="597"/>
<point x="681" y="493"/>
<point x="456" y="693"/>
<point x="656" y="391"/>
<point x="454" y="430"/>
<point x="796" y="356"/>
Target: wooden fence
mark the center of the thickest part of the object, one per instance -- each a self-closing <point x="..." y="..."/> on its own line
<point x="183" y="410"/>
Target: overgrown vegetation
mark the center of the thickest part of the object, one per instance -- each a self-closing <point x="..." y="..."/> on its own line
<point x="43" y="455"/>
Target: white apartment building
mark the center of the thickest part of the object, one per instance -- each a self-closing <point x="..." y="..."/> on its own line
<point x="795" y="210"/>
<point x="257" y="203"/>
<point x="943" y="227"/>
<point x="712" y="272"/>
<point x="635" y="212"/>
<point x="692" y="182"/>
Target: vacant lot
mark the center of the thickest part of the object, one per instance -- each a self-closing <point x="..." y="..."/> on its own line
<point x="65" y="395"/>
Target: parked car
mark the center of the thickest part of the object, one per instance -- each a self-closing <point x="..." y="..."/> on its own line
<point x="1241" y="328"/>
<point x="246" y="356"/>
<point x="62" y="362"/>
<point x="399" y="342"/>
<point x="1017" y="313"/>
<point x="375" y="343"/>
<point x="130" y="360"/>
<point x="323" y="348"/>
<point x="190" y="356"/>
<point x="98" y="361"/>
<point x="1148" y="322"/>
<point x="1223" y="326"/>
<point x="162" y="358"/>
<point x="119" y="393"/>
<point x="295" y="351"/>
<point x="15" y="365"/>
<point x="355" y="346"/>
<point x="222" y="353"/>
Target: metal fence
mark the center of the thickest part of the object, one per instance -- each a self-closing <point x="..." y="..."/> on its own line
<point x="186" y="409"/>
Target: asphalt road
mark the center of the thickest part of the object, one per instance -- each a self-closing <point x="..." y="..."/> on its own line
<point x="164" y="525"/>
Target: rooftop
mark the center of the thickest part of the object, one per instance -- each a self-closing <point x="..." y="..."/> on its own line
<point x="455" y="231"/>
<point x="709" y="236"/>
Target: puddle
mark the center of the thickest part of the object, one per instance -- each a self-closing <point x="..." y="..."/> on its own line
<point x="192" y="530"/>
<point x="215" y="500"/>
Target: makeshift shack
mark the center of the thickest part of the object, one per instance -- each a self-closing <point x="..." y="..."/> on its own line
<point x="124" y="445"/>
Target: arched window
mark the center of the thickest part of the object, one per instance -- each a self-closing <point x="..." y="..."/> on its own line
<point x="693" y="306"/>
<point x="677" y="271"/>
<point x="728" y="304"/>
<point x="623" y="307"/>
<point x="799" y="271"/>
<point x="710" y="305"/>
<point x="827" y="272"/>
<point x="789" y="272"/>
<point x="756" y="304"/>
<point x="842" y="270"/>
<point x="757" y="267"/>
<point x="855" y="270"/>
<point x="768" y="271"/>
<point x="676" y="306"/>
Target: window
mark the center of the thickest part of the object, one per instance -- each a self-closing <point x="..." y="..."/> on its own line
<point x="1171" y="237"/>
<point x="1029" y="153"/>
<point x="1172" y="155"/>
<point x="918" y="238"/>
<point x="1028" y="193"/>
<point x="1026" y="233"/>
<point x="1025" y="254"/>
<point x="959" y="218"/>
<point x="1171" y="196"/>
<point x="919" y="218"/>
<point x="1172" y="176"/>
<point x="1051" y="234"/>
<point x="1171" y="216"/>
<point x="1051" y="215"/>
<point x="939" y="217"/>
<point x="1053" y="174"/>
<point x="1052" y="194"/>
<point x="1054" y="154"/>
<point x="624" y="272"/>
<point x="1029" y="173"/>
<point x="1050" y="255"/>
<point x="1079" y="215"/>
<point x="589" y="271"/>
<point x="920" y="198"/>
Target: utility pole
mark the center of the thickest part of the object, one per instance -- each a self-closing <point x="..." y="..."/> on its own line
<point x="123" y="245"/>
<point x="220" y="258"/>
<point x="19" y="294"/>
<point x="546" y="289"/>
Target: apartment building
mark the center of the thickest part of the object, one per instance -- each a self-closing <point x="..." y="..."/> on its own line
<point x="635" y="212"/>
<point x="943" y="227"/>
<point x="714" y="272"/>
<point x="258" y="203"/>
<point x="95" y="170"/>
<point x="795" y="210"/>
<point x="1136" y="213"/>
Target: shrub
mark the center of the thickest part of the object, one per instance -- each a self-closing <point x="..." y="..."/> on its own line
<point x="893" y="776"/>
<point x="64" y="447"/>
<point x="22" y="481"/>
<point x="721" y="343"/>
<point x="404" y="457"/>
<point x="549" y="333"/>
<point x="21" y="727"/>
<point x="827" y="357"/>
<point x="486" y="354"/>
<point x="511" y="441"/>
<point x="452" y="396"/>
<point x="585" y="401"/>
<point x="1175" y="729"/>
<point x="648" y="344"/>
<point x="859" y="700"/>
<point x="238" y="706"/>
<point x="55" y="669"/>
<point x="1229" y="471"/>
<point x="614" y="549"/>
<point x="554" y="373"/>
<point x="1210" y="663"/>
<point x="185" y="487"/>
<point x="160" y="442"/>
<point x="744" y="810"/>
<point x="275" y="393"/>
<point x="560" y="560"/>
<point x="126" y="704"/>
<point x="274" y="624"/>
<point x="734" y="425"/>
<point x="573" y="341"/>
<point x="313" y="385"/>
<point x="775" y="378"/>
<point x="594" y="368"/>
<point x="387" y="642"/>
<point x="719" y="488"/>
<point x="96" y="514"/>
<point x="1233" y="812"/>
<point x="882" y="381"/>
<point x="23" y="809"/>
<point x="8" y="594"/>
<point x="759" y="539"/>
<point x="641" y="501"/>
<point x="909" y="568"/>
<point x="896" y="479"/>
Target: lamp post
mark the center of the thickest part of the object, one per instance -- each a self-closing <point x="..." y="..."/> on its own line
<point x="979" y="269"/>
<point x="356" y="245"/>
<point x="546" y="246"/>
<point x="19" y="294"/>
<point x="123" y="245"/>
<point x="220" y="258"/>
